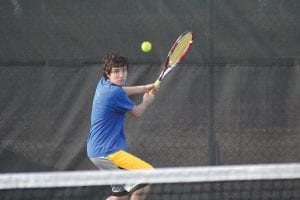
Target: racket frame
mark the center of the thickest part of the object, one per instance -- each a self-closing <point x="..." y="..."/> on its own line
<point x="166" y="67"/>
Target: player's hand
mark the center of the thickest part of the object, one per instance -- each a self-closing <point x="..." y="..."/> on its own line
<point x="151" y="87"/>
<point x="148" y="98"/>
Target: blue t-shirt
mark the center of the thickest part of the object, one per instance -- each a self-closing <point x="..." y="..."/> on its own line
<point x="107" y="121"/>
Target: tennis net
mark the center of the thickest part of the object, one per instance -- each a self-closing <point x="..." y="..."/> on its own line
<point x="264" y="181"/>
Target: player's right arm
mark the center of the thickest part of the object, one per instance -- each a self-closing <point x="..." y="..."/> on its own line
<point x="138" y="110"/>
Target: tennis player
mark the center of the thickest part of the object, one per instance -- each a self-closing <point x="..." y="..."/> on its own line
<point x="106" y="143"/>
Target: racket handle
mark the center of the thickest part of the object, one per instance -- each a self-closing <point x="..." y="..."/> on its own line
<point x="156" y="84"/>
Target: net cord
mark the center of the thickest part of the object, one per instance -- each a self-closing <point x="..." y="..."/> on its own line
<point x="159" y="175"/>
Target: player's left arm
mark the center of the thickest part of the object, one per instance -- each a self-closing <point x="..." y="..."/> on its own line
<point x="131" y="90"/>
<point x="138" y="110"/>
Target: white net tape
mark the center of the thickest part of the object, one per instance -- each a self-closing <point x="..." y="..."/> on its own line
<point x="161" y="175"/>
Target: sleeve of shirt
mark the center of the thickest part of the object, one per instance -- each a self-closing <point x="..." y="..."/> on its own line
<point x="123" y="102"/>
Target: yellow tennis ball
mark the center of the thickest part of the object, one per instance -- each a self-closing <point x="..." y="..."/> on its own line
<point x="146" y="46"/>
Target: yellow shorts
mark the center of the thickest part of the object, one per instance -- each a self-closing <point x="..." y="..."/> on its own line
<point x="127" y="161"/>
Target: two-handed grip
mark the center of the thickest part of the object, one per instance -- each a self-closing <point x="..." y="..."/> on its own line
<point x="156" y="84"/>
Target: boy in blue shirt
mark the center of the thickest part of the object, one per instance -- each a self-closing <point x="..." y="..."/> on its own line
<point x="106" y="144"/>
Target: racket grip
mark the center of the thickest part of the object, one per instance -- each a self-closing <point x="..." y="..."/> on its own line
<point x="156" y="84"/>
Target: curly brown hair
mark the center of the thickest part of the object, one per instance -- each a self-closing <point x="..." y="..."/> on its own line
<point x="113" y="60"/>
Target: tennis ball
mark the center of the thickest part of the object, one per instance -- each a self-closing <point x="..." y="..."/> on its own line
<point x="146" y="46"/>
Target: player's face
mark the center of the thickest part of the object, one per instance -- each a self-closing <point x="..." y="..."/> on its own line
<point x="118" y="75"/>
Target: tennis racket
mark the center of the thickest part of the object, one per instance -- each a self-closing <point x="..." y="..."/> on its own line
<point x="175" y="55"/>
